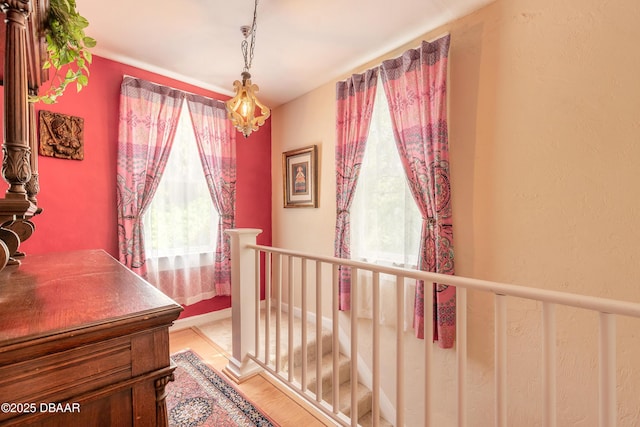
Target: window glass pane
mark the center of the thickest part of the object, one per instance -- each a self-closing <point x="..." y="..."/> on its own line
<point x="181" y="218"/>
<point x="385" y="221"/>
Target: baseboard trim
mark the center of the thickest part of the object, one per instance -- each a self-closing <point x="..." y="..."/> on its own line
<point x="201" y="319"/>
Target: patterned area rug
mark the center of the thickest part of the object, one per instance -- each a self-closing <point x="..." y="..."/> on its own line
<point x="200" y="396"/>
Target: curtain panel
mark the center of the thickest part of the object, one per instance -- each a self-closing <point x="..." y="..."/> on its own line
<point x="354" y="98"/>
<point x="416" y="88"/>
<point x="147" y="124"/>
<point x="216" y="139"/>
<point x="149" y="115"/>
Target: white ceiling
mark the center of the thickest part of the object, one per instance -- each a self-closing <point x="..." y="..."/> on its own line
<point x="300" y="44"/>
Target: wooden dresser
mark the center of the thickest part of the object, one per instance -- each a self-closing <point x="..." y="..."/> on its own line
<point x="83" y="342"/>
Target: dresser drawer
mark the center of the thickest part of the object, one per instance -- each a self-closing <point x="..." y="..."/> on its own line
<point x="58" y="377"/>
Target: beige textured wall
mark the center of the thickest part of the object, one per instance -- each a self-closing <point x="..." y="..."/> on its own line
<point x="545" y="155"/>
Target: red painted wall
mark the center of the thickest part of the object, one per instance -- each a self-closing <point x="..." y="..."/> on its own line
<point x="79" y="197"/>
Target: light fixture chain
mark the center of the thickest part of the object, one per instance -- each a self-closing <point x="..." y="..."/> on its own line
<point x="247" y="51"/>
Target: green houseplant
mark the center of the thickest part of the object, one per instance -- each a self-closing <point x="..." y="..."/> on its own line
<point x="68" y="48"/>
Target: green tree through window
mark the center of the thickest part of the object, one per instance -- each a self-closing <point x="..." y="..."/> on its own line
<point x="181" y="218"/>
<point x="385" y="220"/>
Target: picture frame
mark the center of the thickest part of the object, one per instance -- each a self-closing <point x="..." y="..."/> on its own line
<point x="300" y="177"/>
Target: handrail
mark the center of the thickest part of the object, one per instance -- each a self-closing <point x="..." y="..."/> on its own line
<point x="605" y="305"/>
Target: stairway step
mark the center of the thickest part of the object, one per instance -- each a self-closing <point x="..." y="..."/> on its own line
<point x="344" y="369"/>
<point x="366" y="420"/>
<point x="327" y="341"/>
<point x="344" y="406"/>
<point x="327" y="345"/>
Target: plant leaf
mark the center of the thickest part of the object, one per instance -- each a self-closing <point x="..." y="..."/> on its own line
<point x="67" y="45"/>
<point x="89" y="42"/>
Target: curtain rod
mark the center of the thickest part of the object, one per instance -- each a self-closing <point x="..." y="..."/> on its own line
<point x="184" y="92"/>
<point x="445" y="34"/>
<point x="381" y="58"/>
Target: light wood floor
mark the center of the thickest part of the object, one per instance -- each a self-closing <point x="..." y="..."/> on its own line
<point x="283" y="409"/>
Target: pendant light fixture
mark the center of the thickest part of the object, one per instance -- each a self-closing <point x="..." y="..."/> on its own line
<point x="241" y="109"/>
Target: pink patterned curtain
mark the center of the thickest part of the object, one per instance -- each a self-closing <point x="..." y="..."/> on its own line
<point x="416" y="89"/>
<point x="148" y="119"/>
<point x="354" y="98"/>
<point x="216" y="138"/>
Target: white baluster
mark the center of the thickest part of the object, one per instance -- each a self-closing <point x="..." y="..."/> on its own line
<point x="336" y="344"/>
<point x="501" y="360"/>
<point x="400" y="405"/>
<point x="461" y="354"/>
<point x="428" y="353"/>
<point x="319" y="350"/>
<point x="354" y="347"/>
<point x="607" y="346"/>
<point x="278" y="278"/>
<point x="267" y="305"/>
<point x="549" y="364"/>
<point x="257" y="302"/>
<point x="290" y="318"/>
<point x="375" y="401"/>
<point x="303" y="273"/>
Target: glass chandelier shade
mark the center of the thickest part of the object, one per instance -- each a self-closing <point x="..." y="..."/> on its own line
<point x="241" y="109"/>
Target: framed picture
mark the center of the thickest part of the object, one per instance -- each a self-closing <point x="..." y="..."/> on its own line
<point x="299" y="171"/>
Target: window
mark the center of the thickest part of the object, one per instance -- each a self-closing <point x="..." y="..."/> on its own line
<point x="181" y="219"/>
<point x="385" y="221"/>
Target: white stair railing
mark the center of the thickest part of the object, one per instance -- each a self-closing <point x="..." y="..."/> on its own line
<point x="247" y="270"/>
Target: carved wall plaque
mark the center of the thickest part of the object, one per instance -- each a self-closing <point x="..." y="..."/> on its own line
<point x="61" y="135"/>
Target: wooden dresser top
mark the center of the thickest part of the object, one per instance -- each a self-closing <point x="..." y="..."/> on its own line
<point x="76" y="293"/>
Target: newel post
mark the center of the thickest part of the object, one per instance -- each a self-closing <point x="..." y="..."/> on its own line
<point x="243" y="303"/>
